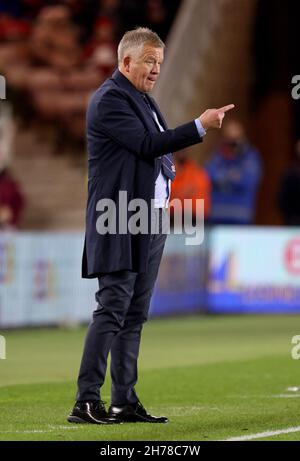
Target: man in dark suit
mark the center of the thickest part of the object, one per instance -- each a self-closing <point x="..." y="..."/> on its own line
<point x="129" y="159"/>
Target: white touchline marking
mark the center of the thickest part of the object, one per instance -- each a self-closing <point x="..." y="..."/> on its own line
<point x="38" y="431"/>
<point x="262" y="435"/>
<point x="263" y="396"/>
<point x="64" y="427"/>
<point x="287" y="396"/>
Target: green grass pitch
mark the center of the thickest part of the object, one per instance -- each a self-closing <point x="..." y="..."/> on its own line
<point x="214" y="377"/>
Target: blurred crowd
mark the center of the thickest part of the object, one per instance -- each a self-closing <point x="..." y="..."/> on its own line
<point x="55" y="53"/>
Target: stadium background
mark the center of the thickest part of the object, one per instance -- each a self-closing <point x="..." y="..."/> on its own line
<point x="222" y="51"/>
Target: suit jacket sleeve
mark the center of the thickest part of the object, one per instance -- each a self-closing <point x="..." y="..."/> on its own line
<point x="118" y="120"/>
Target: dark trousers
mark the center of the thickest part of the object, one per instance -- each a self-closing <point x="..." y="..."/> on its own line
<point x="123" y="303"/>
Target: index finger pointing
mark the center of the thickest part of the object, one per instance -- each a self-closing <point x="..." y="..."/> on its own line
<point x="226" y="108"/>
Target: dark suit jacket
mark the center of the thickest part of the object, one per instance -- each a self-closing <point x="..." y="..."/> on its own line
<point x="123" y="143"/>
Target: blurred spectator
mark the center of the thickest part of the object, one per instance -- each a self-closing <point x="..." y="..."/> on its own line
<point x="235" y="171"/>
<point x="132" y="14"/>
<point x="83" y="14"/>
<point x="110" y="9"/>
<point x="191" y="182"/>
<point x="160" y="15"/>
<point x="100" y="51"/>
<point x="156" y="16"/>
<point x="54" y="39"/>
<point x="14" y="33"/>
<point x="13" y="28"/>
<point x="11" y="199"/>
<point x="289" y="192"/>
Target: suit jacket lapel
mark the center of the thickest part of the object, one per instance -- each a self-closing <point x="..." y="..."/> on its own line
<point x="161" y="119"/>
<point x="124" y="83"/>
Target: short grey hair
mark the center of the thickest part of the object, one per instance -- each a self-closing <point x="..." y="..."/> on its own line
<point x="136" y="38"/>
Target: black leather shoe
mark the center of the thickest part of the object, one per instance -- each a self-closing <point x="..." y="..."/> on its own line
<point x="135" y="413"/>
<point x="92" y="412"/>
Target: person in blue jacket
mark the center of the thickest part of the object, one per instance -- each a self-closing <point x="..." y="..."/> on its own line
<point x="235" y="171"/>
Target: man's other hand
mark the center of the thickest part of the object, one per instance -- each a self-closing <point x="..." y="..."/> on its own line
<point x="213" y="118"/>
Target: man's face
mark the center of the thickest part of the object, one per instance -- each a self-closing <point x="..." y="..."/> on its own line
<point x="143" y="68"/>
